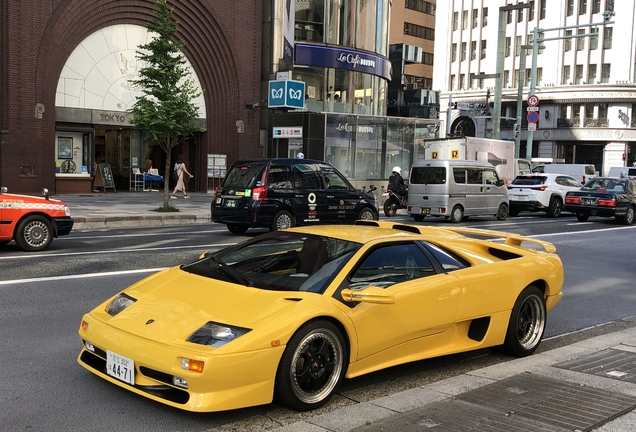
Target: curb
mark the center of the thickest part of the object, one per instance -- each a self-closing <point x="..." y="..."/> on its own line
<point x="83" y="223"/>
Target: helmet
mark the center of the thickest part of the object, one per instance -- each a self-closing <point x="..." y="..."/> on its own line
<point x="300" y="155"/>
<point x="623" y="174"/>
<point x="397" y="169"/>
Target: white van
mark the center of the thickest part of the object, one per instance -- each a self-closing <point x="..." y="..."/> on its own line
<point x="616" y="171"/>
<point x="456" y="189"/>
<point x="581" y="172"/>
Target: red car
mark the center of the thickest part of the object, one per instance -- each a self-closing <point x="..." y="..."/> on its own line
<point x="32" y="222"/>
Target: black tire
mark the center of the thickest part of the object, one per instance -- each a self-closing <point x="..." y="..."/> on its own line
<point x="555" y="208"/>
<point x="502" y="212"/>
<point x="367" y="214"/>
<point x="282" y="220"/>
<point x="418" y="218"/>
<point x="4" y="242"/>
<point x="34" y="234"/>
<point x="628" y="218"/>
<point x="527" y="323"/>
<point x="390" y="207"/>
<point x="513" y="212"/>
<point x="582" y="217"/>
<point x="457" y="214"/>
<point x="312" y="366"/>
<point x="237" y="229"/>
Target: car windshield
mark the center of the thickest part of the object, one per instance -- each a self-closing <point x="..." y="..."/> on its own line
<point x="279" y="261"/>
<point x="244" y="176"/>
<point x="529" y="180"/>
<point x="606" y="185"/>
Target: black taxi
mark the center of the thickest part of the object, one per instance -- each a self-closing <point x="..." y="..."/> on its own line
<point x="282" y="193"/>
<point x="604" y="196"/>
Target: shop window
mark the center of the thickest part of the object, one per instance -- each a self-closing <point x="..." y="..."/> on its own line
<point x="27" y="171"/>
<point x="309" y="21"/>
<point x="605" y="73"/>
<point x="607" y="37"/>
<point x="565" y="77"/>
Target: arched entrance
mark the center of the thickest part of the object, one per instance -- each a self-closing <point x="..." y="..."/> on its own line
<point x="463" y="126"/>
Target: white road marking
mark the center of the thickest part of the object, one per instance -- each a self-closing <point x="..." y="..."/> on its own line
<point x="80" y="276"/>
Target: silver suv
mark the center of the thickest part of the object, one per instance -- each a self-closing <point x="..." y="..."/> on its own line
<point x="540" y="192"/>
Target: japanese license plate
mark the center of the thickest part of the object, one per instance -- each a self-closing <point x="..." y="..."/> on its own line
<point x="425" y="211"/>
<point x="230" y="203"/>
<point x="218" y="200"/>
<point x="520" y="198"/>
<point x="588" y="201"/>
<point x="120" y="367"/>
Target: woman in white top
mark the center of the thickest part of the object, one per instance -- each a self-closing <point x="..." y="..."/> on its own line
<point x="181" y="171"/>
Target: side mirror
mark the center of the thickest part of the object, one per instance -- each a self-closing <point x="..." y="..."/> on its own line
<point x="4" y="189"/>
<point x="500" y="183"/>
<point x="371" y="294"/>
<point x="203" y="255"/>
<point x="45" y="193"/>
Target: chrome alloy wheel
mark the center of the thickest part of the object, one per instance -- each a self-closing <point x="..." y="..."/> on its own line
<point x="531" y="322"/>
<point x="283" y="221"/>
<point x="36" y="234"/>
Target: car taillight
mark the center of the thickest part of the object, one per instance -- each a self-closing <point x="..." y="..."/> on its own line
<point x="572" y="200"/>
<point x="540" y="188"/>
<point x="259" y="193"/>
<point x="607" y="203"/>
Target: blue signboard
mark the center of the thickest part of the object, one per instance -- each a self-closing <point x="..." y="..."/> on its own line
<point x="341" y="58"/>
<point x="286" y="94"/>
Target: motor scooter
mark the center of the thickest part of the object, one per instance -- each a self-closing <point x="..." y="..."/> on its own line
<point x="393" y="202"/>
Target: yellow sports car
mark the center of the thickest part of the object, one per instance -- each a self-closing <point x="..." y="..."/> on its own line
<point x="291" y="313"/>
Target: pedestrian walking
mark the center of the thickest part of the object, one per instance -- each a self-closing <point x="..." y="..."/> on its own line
<point x="181" y="171"/>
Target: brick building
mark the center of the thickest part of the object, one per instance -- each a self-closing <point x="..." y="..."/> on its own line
<point x="64" y="88"/>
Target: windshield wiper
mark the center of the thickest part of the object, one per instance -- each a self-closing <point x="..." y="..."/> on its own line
<point x="234" y="274"/>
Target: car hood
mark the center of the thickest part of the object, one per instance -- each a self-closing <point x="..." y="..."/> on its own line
<point x="174" y="304"/>
<point x="29" y="198"/>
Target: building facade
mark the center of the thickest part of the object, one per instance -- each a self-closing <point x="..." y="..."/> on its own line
<point x="65" y="88"/>
<point x="585" y="85"/>
<point x="340" y="53"/>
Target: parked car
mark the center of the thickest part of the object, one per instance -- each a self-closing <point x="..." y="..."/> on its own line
<point x="31" y="221"/>
<point x="289" y="314"/>
<point x="283" y="193"/>
<point x="540" y="192"/>
<point x="606" y="197"/>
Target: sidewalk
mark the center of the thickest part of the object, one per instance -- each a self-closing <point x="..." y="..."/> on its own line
<point x="131" y="209"/>
<point x="588" y="385"/>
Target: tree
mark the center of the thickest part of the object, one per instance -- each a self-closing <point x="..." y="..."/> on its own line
<point x="165" y="110"/>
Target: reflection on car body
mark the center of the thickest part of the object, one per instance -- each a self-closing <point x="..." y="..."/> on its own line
<point x="606" y="197"/>
<point x="315" y="305"/>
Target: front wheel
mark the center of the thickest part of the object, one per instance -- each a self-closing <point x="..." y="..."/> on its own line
<point x="34" y="234"/>
<point x="312" y="366"/>
<point x="502" y="212"/>
<point x="582" y="217"/>
<point x="457" y="214"/>
<point x="628" y="219"/>
<point x="282" y="220"/>
<point x="390" y="207"/>
<point x="555" y="207"/>
<point x="366" y="214"/>
<point x="237" y="229"/>
<point x="527" y="323"/>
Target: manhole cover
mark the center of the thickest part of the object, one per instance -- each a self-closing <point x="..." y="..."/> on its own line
<point x="610" y="363"/>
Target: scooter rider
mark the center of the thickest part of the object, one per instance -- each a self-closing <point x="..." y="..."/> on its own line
<point x="396" y="183"/>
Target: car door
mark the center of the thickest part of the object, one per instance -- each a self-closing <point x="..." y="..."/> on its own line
<point x="475" y="202"/>
<point x="309" y="198"/>
<point x="341" y="197"/>
<point x="493" y="191"/>
<point x="426" y="301"/>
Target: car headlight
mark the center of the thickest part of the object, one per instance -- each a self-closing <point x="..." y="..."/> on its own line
<point x="67" y="211"/>
<point x="119" y="303"/>
<point x="216" y="335"/>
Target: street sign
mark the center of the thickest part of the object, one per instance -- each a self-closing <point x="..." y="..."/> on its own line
<point x="533" y="100"/>
<point x="532" y="127"/>
<point x="533" y="117"/>
<point x="532" y="109"/>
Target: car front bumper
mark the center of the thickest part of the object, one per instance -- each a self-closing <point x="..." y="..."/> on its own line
<point x="228" y="381"/>
<point x="63" y="225"/>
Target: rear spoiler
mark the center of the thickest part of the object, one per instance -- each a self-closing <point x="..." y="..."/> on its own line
<point x="510" y="239"/>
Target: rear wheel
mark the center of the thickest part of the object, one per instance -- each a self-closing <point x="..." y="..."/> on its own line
<point x="34" y="233"/>
<point x="282" y="220"/>
<point x="418" y="218"/>
<point x="457" y="214"/>
<point x="628" y="219"/>
<point x="237" y="229"/>
<point x="366" y="214"/>
<point x="527" y="323"/>
<point x="502" y="212"/>
<point x="582" y="217"/>
<point x="312" y="366"/>
<point x="555" y="207"/>
<point x="390" y="207"/>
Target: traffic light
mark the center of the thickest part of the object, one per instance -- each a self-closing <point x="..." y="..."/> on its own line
<point x="516" y="129"/>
